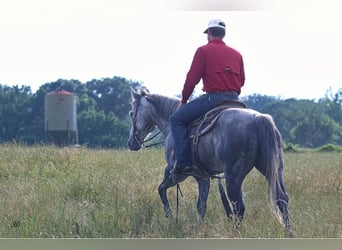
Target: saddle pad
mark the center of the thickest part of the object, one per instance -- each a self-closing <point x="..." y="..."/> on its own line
<point x="203" y="124"/>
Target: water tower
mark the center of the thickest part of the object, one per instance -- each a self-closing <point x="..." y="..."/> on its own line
<point x="60" y="118"/>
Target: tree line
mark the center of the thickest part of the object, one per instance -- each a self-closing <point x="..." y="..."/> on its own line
<point x="306" y="123"/>
<point x="103" y="121"/>
<point x="102" y="111"/>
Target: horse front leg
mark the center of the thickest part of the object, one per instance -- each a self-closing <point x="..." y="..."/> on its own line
<point x="162" y="189"/>
<point x="203" y="191"/>
<point x="168" y="181"/>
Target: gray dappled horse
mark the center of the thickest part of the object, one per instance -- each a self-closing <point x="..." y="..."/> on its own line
<point x="239" y="140"/>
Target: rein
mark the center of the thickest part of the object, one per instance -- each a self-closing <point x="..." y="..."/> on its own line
<point x="154" y="144"/>
<point x="152" y="137"/>
<point x="179" y="191"/>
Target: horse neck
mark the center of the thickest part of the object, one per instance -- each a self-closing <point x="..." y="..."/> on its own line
<point x="164" y="107"/>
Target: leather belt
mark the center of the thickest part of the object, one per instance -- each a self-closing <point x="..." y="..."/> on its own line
<point x="225" y="92"/>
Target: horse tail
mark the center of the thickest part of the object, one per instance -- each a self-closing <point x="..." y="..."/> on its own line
<point x="270" y="154"/>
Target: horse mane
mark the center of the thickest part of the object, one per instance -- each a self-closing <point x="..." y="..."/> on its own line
<point x="163" y="104"/>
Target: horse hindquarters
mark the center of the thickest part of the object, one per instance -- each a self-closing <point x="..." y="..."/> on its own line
<point x="235" y="150"/>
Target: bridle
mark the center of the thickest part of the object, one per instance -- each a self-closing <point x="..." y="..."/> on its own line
<point x="135" y="136"/>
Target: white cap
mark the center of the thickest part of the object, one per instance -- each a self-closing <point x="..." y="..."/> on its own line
<point x="218" y="23"/>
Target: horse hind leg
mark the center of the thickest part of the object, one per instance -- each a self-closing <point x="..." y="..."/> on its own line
<point x="235" y="174"/>
<point x="225" y="201"/>
<point x="234" y="191"/>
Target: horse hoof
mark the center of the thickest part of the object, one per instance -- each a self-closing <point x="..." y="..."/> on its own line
<point x="168" y="213"/>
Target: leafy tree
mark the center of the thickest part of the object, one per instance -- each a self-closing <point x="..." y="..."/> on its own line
<point x="103" y="105"/>
<point x="102" y="111"/>
<point x="315" y="129"/>
<point x="303" y="122"/>
<point x="98" y="129"/>
<point x="332" y="106"/>
<point x="111" y="95"/>
<point x="14" y="111"/>
<point x="257" y="101"/>
<point x="102" y="130"/>
<point x="286" y="114"/>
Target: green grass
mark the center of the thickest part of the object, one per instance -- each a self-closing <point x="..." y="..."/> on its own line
<point x="49" y="192"/>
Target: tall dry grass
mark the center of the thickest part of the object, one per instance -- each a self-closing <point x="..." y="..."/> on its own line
<point x="49" y="192"/>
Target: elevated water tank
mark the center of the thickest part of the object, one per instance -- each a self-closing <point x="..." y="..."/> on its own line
<point x="60" y="118"/>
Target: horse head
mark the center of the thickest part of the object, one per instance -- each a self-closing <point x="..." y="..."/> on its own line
<point x="141" y="122"/>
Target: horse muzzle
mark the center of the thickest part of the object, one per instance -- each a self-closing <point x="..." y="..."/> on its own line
<point x="134" y="144"/>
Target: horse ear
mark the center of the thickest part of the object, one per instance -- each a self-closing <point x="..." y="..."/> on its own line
<point x="144" y="91"/>
<point x="135" y="93"/>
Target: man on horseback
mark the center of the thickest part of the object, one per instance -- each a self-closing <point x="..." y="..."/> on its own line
<point x="221" y="69"/>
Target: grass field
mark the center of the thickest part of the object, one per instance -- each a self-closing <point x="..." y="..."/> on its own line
<point x="49" y="192"/>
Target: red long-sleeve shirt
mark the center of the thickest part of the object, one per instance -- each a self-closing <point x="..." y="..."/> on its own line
<point x="220" y="67"/>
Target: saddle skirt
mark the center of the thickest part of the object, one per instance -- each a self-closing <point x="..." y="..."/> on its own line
<point x="203" y="125"/>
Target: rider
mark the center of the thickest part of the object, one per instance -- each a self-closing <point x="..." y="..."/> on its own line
<point x="221" y="69"/>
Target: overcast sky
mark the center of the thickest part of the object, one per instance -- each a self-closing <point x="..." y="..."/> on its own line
<point x="291" y="48"/>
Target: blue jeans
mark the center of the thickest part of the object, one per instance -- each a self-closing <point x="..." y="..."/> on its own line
<point x="186" y="114"/>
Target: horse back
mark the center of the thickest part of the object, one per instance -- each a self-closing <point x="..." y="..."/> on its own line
<point x="231" y="136"/>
